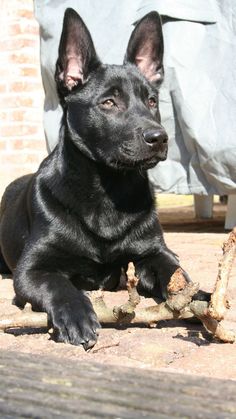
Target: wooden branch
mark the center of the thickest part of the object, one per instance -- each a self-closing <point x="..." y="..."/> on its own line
<point x="126" y="311"/>
<point x="219" y="303"/>
<point x="175" y="307"/>
<point x="180" y="295"/>
<point x="149" y="315"/>
<point x="200" y="310"/>
<point x="179" y="304"/>
<point x="24" y="319"/>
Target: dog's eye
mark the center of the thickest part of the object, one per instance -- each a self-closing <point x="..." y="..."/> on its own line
<point x="152" y="102"/>
<point x="108" y="103"/>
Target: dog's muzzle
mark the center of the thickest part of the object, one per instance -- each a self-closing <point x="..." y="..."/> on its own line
<point x="157" y="140"/>
<point x="154" y="137"/>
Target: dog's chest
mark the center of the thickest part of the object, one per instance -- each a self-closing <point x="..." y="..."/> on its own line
<point x="105" y="235"/>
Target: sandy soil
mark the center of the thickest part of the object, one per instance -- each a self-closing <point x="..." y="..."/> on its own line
<point x="175" y="346"/>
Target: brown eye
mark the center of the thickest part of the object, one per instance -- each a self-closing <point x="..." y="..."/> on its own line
<point x="109" y="103"/>
<point x="152" y="102"/>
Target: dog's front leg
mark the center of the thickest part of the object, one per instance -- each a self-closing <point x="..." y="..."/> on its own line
<point x="154" y="273"/>
<point x="69" y="310"/>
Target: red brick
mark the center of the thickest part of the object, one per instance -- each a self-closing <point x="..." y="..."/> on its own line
<point x="30" y="72"/>
<point x="13" y="28"/>
<point x="28" y="144"/>
<point x="3" y="87"/>
<point x="35" y="117"/>
<point x="4" y="72"/>
<point x="2" y="145"/>
<point x="3" y="115"/>
<point x="23" y="116"/>
<point x="8" y="72"/>
<point x="17" y="43"/>
<point x="21" y="57"/>
<point x="20" y="71"/>
<point x="25" y="13"/>
<point x="22" y="142"/>
<point x="17" y="159"/>
<point x="22" y="28"/>
<point x="14" y="101"/>
<point x="18" y="130"/>
<point x="25" y="85"/>
<point x="17" y="115"/>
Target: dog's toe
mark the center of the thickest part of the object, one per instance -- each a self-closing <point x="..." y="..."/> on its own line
<point x="84" y="334"/>
<point x="75" y="323"/>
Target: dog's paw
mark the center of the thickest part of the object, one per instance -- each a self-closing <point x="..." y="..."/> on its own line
<point x="75" y="322"/>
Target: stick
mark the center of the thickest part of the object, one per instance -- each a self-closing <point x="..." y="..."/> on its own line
<point x="125" y="314"/>
<point x="200" y="310"/>
<point x="219" y="303"/>
<point x="24" y="319"/>
<point x="149" y="316"/>
<point x="126" y="311"/>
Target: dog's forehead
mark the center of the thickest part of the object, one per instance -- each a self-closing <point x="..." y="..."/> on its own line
<point x="120" y="76"/>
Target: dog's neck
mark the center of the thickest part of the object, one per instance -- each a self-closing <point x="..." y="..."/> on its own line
<point x="95" y="182"/>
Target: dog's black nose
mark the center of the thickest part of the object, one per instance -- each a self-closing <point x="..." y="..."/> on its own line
<point x="155" y="136"/>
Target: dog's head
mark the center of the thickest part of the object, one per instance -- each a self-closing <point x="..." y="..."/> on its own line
<point x="112" y="111"/>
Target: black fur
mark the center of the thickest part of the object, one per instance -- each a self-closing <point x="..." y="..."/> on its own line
<point x="90" y="209"/>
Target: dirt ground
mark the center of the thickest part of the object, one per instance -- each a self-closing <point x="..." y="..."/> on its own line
<point x="174" y="346"/>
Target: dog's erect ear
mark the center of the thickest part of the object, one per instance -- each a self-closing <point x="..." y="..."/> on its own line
<point x="77" y="55"/>
<point x="145" y="48"/>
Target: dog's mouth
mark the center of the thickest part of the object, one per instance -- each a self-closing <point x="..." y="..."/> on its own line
<point x="144" y="164"/>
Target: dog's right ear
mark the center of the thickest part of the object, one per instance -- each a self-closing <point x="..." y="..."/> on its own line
<point x="145" y="48"/>
<point x="77" y="55"/>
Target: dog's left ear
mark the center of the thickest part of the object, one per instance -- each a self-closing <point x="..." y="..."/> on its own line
<point x="146" y="47"/>
<point x="77" y="55"/>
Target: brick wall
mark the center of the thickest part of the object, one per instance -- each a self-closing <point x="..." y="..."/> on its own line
<point x="22" y="144"/>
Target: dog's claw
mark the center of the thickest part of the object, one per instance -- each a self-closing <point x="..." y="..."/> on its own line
<point x="89" y="344"/>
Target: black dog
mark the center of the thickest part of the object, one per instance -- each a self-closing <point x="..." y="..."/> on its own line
<point x="89" y="209"/>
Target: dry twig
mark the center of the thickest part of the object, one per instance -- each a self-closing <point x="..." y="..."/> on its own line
<point x="219" y="303"/>
<point x="126" y="311"/>
<point x="24" y="318"/>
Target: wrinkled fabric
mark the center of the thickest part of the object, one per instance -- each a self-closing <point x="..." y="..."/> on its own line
<point x="198" y="97"/>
